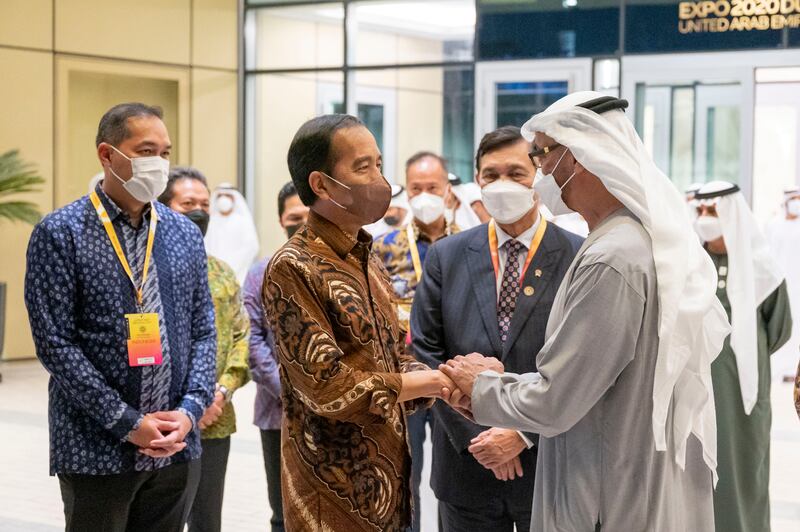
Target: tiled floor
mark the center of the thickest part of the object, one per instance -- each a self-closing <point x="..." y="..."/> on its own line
<point x="30" y="500"/>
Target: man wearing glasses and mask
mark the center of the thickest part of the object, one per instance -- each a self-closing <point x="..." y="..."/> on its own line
<point x="622" y="397"/>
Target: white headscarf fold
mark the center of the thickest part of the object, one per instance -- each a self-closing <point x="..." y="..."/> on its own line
<point x="692" y="323"/>
<point x="232" y="238"/>
<point x="467" y="194"/>
<point x="753" y="275"/>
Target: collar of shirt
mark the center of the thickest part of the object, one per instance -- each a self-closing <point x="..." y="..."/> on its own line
<point x="526" y="238"/>
<point x="113" y="209"/>
<point x="339" y="241"/>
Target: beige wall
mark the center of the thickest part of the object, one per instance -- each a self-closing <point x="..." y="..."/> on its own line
<point x="180" y="54"/>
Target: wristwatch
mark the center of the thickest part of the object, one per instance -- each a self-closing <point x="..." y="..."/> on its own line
<point x="226" y="393"/>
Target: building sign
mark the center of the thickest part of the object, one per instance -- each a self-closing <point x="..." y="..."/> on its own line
<point x="722" y="16"/>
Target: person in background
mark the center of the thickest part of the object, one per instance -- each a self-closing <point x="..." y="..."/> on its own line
<point x="691" y="190"/>
<point x="691" y="204"/>
<point x="263" y="359"/>
<point x="490" y="290"/>
<point x="397" y="215"/>
<point x="232" y="235"/>
<point x="753" y="291"/>
<point x="783" y="235"/>
<point x="797" y="391"/>
<point x="346" y="383"/>
<point x="187" y="193"/>
<point x="403" y="253"/>
<point x="572" y="222"/>
<point x="464" y="205"/>
<point x="399" y="212"/>
<point x="117" y="294"/>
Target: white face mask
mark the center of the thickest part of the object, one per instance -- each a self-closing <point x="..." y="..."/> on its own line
<point x="793" y="207"/>
<point x="550" y="192"/>
<point x="224" y="204"/>
<point x="507" y="201"/>
<point x="427" y="207"/>
<point x="708" y="228"/>
<point x="148" y="177"/>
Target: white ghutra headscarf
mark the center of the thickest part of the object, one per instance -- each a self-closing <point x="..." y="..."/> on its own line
<point x="753" y="275"/>
<point x="231" y="235"/>
<point x="692" y="323"/>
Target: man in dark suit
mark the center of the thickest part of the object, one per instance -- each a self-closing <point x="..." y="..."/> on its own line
<point x="489" y="290"/>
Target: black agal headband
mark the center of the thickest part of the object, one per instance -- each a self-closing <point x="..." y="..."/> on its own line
<point x="604" y="104"/>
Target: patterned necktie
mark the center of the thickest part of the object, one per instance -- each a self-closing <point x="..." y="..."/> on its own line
<point x="509" y="288"/>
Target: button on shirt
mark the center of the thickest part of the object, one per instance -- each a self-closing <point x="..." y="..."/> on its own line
<point x="77" y="295"/>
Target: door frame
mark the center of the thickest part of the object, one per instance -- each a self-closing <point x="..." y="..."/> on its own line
<point x="577" y="72"/>
<point x="717" y="67"/>
<point x="329" y="93"/>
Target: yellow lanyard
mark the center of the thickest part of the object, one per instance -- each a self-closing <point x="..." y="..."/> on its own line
<point x="412" y="243"/>
<point x="112" y="235"/>
<point x="537" y="239"/>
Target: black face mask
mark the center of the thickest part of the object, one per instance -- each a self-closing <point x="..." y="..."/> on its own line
<point x="392" y="220"/>
<point x="292" y="229"/>
<point x="200" y="218"/>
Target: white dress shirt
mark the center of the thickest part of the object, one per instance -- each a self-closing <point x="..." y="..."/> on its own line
<point x="526" y="239"/>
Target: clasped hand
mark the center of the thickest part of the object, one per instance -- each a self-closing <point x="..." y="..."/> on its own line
<point x="495" y="449"/>
<point x="463" y="370"/>
<point x="161" y="434"/>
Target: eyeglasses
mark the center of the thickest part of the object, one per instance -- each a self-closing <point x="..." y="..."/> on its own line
<point x="537" y="155"/>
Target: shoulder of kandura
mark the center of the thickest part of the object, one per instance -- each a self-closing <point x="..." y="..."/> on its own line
<point x="626" y="247"/>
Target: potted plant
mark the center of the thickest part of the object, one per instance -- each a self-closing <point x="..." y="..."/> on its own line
<point x="16" y="177"/>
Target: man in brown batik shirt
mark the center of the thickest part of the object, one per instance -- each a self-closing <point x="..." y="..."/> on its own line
<point x="347" y="383"/>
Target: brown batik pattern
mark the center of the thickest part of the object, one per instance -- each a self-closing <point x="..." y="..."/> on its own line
<point x="345" y="453"/>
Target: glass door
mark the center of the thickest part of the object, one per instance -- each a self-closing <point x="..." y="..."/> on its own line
<point x="693" y="131"/>
<point x="776" y="159"/>
<point x="510" y="92"/>
<point x="375" y="106"/>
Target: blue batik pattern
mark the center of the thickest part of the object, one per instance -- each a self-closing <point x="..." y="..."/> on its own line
<point x="77" y="295"/>
<point x="155" y="379"/>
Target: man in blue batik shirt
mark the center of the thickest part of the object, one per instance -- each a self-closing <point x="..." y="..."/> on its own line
<point x="118" y="300"/>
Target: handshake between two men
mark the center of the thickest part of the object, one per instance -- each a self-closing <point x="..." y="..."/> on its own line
<point x="495" y="449"/>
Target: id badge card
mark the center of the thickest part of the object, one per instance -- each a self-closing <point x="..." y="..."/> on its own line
<point x="144" y="340"/>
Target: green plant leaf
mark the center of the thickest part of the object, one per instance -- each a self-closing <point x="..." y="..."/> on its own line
<point x="22" y="211"/>
<point x="18" y="176"/>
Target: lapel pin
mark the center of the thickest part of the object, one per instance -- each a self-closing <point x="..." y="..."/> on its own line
<point x="528" y="290"/>
<point x="537" y="272"/>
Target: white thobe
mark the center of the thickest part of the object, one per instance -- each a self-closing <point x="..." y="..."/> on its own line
<point x="592" y="400"/>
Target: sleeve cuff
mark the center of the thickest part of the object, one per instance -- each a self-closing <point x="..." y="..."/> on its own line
<point x="189" y="415"/>
<point x="229" y="382"/>
<point x="130" y="420"/>
<point x="528" y="442"/>
<point x="192" y="409"/>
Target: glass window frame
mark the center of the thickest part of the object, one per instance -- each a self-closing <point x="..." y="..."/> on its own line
<point x="349" y="69"/>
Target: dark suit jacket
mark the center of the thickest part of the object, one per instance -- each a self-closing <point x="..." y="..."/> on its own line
<point x="455" y="313"/>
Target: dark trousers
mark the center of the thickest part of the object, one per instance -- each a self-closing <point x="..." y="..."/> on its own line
<point x="416" y="436"/>
<point x="129" y="502"/>
<point x="271" y="447"/>
<point x="496" y="515"/>
<point x="206" y="514"/>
